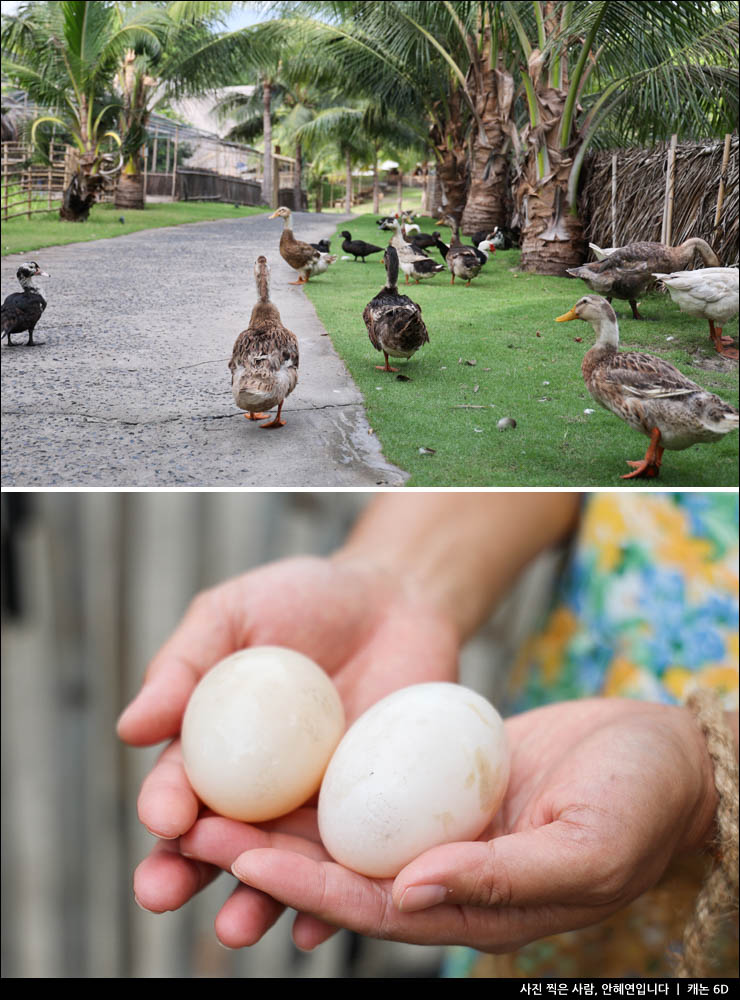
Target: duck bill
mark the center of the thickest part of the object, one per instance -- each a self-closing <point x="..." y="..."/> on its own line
<point x="274" y="214"/>
<point x="567" y="317"/>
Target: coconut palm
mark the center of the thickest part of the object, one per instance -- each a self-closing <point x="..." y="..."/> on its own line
<point x="194" y="55"/>
<point x="582" y="63"/>
<point x="65" y="56"/>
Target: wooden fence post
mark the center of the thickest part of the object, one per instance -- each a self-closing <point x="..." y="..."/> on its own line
<point x="722" y="179"/>
<point x="174" y="163"/>
<point x="614" y="201"/>
<point x="6" y="181"/>
<point x="665" y="235"/>
<point x="48" y="176"/>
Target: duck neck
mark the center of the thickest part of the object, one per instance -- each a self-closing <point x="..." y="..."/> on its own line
<point x="287" y="221"/>
<point x="607" y="334"/>
<point x="706" y="253"/>
<point x="391" y="281"/>
<point x="29" y="285"/>
<point x="263" y="286"/>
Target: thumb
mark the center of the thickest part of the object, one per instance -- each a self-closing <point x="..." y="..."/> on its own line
<point x="539" y="866"/>
<point x="202" y="638"/>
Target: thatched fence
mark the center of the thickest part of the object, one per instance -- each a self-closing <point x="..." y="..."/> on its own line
<point x="665" y="194"/>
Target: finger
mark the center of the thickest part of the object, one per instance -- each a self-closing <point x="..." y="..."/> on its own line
<point x="165" y="880"/>
<point x="221" y="841"/>
<point x="244" y="919"/>
<point x="325" y="890"/>
<point x="167" y="805"/>
<point x="550" y="864"/>
<point x="204" y="636"/>
<point x="309" y="931"/>
<point x="245" y="916"/>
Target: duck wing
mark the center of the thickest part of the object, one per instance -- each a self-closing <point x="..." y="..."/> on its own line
<point x="645" y="376"/>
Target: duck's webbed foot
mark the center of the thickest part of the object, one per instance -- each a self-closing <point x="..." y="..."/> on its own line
<point x="722" y="345"/>
<point x="275" y="422"/>
<point x="649" y="467"/>
<point x="387" y="367"/>
<point x="256" y="416"/>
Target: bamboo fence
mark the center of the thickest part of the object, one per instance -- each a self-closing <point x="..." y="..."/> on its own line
<point x="29" y="188"/>
<point x="666" y="194"/>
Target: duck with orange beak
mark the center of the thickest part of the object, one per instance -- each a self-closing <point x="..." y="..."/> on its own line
<point x="650" y="394"/>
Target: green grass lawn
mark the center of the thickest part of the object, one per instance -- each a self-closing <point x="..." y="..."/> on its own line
<point x="48" y="230"/>
<point x="496" y="351"/>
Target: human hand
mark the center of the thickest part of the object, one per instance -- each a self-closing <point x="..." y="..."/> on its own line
<point x="367" y="628"/>
<point x="603" y="794"/>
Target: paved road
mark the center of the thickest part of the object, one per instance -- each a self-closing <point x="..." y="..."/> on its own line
<point x="131" y="387"/>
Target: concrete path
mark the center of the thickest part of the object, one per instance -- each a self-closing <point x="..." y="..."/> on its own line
<point x="131" y="386"/>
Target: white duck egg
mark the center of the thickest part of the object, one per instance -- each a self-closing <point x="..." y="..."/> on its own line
<point x="258" y="732"/>
<point x="427" y="765"/>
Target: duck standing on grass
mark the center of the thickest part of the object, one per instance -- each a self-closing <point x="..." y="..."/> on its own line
<point x="710" y="293"/>
<point x="626" y="272"/>
<point x="358" y="248"/>
<point x="264" y="362"/>
<point x="393" y="321"/>
<point x="650" y="394"/>
<point x="22" y="310"/>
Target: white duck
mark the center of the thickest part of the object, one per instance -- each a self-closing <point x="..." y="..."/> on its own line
<point x="413" y="262"/>
<point x="710" y="293"/>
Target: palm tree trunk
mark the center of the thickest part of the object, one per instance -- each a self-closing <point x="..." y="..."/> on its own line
<point x="348" y="194"/>
<point x="130" y="191"/>
<point x="552" y="234"/>
<point x="486" y="205"/>
<point x="399" y="189"/>
<point x="448" y="139"/>
<point x="267" y="132"/>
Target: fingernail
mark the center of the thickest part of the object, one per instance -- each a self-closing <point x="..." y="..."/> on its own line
<point x="421" y="897"/>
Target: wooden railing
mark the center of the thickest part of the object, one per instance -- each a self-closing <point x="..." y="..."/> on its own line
<point x="29" y="188"/>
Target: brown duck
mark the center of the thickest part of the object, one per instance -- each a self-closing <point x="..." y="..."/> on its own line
<point x="301" y="256"/>
<point x="650" y="394"/>
<point x="627" y="272"/>
<point x="264" y="362"/>
<point x="393" y="321"/>
<point x="463" y="262"/>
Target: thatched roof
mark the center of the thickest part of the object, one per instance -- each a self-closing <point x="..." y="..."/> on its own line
<point x="641" y="181"/>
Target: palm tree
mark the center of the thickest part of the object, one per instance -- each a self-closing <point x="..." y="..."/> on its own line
<point x="581" y="63"/>
<point x="65" y="56"/>
<point x="193" y="57"/>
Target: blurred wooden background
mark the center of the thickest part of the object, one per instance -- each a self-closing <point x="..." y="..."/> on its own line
<point x="93" y="583"/>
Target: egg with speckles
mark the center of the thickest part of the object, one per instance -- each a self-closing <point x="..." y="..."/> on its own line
<point x="258" y="732"/>
<point x="427" y="765"/>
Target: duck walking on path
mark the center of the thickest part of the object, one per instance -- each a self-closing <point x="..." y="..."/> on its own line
<point x="650" y="394"/>
<point x="302" y="257"/>
<point x="393" y="321"/>
<point x="264" y="362"/>
<point x="22" y="310"/>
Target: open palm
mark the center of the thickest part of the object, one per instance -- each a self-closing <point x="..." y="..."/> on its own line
<point x="367" y="631"/>
<point x="603" y="795"/>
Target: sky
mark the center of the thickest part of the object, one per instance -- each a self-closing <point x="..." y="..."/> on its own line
<point x="239" y="18"/>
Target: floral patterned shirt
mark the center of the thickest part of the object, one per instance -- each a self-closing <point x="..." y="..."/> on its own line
<point x="647" y="608"/>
